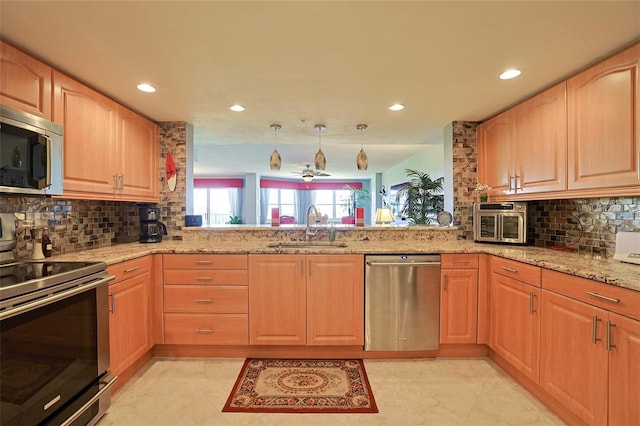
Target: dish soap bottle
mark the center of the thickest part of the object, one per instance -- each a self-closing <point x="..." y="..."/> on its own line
<point x="47" y="247"/>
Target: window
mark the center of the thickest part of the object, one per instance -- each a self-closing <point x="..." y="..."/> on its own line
<point x="216" y="200"/>
<point x="334" y="203"/>
<point x="283" y="199"/>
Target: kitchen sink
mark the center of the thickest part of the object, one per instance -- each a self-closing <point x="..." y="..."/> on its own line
<point x="306" y="244"/>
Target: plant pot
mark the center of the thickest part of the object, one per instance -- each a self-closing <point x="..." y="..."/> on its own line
<point x="484" y="198"/>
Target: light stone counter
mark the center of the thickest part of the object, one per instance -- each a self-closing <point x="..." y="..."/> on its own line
<point x="368" y="240"/>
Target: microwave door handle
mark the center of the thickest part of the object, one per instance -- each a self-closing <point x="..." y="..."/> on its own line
<point x="48" y="145"/>
<point x="499" y="227"/>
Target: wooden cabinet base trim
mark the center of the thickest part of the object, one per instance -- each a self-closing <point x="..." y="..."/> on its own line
<point x="130" y="371"/>
<point x="231" y="351"/>
<point x="462" y="350"/>
<point x="557" y="408"/>
<point x="398" y="354"/>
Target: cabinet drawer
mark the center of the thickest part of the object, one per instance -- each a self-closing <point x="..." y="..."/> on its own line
<point x="459" y="261"/>
<point x="205" y="261"/>
<point x="206" y="329"/>
<point x="520" y="271"/>
<point x="130" y="268"/>
<point x="204" y="276"/>
<point x="210" y="299"/>
<point x="615" y="299"/>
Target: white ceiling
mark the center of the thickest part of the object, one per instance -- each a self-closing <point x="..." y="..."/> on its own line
<point x="333" y="62"/>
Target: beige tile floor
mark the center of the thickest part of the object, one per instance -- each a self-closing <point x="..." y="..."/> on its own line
<point x="170" y="391"/>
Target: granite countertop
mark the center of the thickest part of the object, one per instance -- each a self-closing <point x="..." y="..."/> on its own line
<point x="608" y="271"/>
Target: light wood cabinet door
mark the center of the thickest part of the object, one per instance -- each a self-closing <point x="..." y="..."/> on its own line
<point x="515" y="323"/>
<point x="495" y="141"/>
<point x="137" y="156"/>
<point x="90" y="123"/>
<point x="573" y="357"/>
<point x="541" y="142"/>
<point x="25" y="82"/>
<point x="129" y="321"/>
<point x="459" y="306"/>
<point x="335" y="300"/>
<point x="624" y="371"/>
<point x="604" y="123"/>
<point x="277" y="300"/>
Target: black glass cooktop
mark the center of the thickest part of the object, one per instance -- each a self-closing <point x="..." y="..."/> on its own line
<point x="23" y="277"/>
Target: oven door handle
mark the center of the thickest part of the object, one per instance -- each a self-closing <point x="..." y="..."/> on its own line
<point x="54" y="298"/>
<point x="108" y="381"/>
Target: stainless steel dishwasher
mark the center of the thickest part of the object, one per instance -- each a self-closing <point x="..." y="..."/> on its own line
<point x="402" y="302"/>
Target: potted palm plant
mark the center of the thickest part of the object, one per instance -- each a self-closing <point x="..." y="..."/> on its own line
<point x="422" y="198"/>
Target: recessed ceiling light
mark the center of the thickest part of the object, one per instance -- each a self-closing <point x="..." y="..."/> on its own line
<point x="146" y="87"/>
<point x="509" y="74"/>
<point x="396" y="107"/>
<point x="236" y="108"/>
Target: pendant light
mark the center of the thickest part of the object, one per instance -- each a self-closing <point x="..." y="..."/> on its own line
<point x="275" y="161"/>
<point x="362" y="161"/>
<point x="320" y="159"/>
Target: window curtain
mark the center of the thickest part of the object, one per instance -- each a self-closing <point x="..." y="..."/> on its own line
<point x="303" y="199"/>
<point x="235" y="201"/>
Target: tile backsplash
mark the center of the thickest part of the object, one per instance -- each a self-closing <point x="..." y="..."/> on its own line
<point x="74" y="225"/>
<point x="587" y="225"/>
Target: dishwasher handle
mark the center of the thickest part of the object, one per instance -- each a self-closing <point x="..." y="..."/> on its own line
<point x="370" y="263"/>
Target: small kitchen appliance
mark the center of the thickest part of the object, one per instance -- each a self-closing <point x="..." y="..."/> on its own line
<point x="504" y="223"/>
<point x="151" y="229"/>
<point x="628" y="247"/>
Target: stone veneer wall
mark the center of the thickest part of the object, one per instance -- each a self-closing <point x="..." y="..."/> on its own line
<point x="562" y="222"/>
<point x="173" y="139"/>
<point x="74" y="225"/>
<point x="465" y="176"/>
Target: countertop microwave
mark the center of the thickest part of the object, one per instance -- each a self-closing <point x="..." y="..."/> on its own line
<point x="500" y="222"/>
<point x="30" y="154"/>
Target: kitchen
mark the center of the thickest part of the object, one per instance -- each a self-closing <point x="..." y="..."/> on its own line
<point x="83" y="224"/>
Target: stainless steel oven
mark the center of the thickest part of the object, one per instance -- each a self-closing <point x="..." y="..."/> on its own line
<point x="500" y="222"/>
<point x="54" y="343"/>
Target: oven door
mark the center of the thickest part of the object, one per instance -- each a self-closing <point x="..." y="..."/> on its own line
<point x="55" y="357"/>
<point x="486" y="227"/>
<point x="512" y="228"/>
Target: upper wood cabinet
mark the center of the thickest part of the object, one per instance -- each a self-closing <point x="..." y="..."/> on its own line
<point x="604" y="123"/>
<point x="109" y="151"/>
<point x="523" y="150"/>
<point x="25" y="82"/>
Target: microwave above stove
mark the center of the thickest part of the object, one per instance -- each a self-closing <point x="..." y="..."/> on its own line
<point x="30" y="154"/>
<point x="504" y="223"/>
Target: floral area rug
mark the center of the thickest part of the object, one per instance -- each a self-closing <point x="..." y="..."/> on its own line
<point x="301" y="386"/>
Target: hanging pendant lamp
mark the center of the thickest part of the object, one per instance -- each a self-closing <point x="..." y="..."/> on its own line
<point x="320" y="160"/>
<point x="362" y="161"/>
<point x="275" y="161"/>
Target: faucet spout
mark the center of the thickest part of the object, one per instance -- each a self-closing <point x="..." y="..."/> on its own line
<point x="309" y="231"/>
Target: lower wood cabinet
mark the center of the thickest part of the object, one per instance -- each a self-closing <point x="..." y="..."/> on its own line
<point x="205" y="299"/>
<point x="459" y="298"/>
<point x="515" y="317"/>
<point x="306" y="299"/>
<point x="590" y="356"/>
<point x="130" y="328"/>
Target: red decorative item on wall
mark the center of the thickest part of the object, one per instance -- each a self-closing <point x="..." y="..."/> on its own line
<point x="171" y="172"/>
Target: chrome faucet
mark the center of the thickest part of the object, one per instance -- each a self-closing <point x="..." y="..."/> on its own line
<point x="310" y="232"/>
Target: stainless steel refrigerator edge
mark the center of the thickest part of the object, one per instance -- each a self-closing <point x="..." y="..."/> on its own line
<point x="402" y="302"/>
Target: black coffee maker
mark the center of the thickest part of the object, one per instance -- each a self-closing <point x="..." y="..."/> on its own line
<point x="151" y="229"/>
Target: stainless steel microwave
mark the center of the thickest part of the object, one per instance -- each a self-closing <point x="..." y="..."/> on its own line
<point x="30" y="154"/>
<point x="500" y="222"/>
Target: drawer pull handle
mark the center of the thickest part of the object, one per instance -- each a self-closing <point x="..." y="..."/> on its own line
<point x="204" y="300"/>
<point x="461" y="261"/>
<point x="113" y="303"/>
<point x="594" y="337"/>
<point x="599" y="296"/>
<point x="204" y="278"/>
<point x="202" y="262"/>
<point x="135" y="268"/>
<point x="515" y="271"/>
<point x="204" y="330"/>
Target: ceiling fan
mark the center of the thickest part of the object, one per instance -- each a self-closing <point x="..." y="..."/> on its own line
<point x="308" y="173"/>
